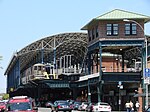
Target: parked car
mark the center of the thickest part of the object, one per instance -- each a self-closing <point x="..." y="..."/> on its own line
<point x="83" y="106"/>
<point x="76" y="105"/>
<point x="89" y="108"/>
<point x="62" y="105"/>
<point x="147" y="110"/>
<point x="21" y="104"/>
<point x="70" y="101"/>
<point x="102" y="106"/>
<point x="2" y="106"/>
<point x="49" y="104"/>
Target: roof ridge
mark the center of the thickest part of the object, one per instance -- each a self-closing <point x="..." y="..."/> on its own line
<point x="133" y="12"/>
<point x="121" y="11"/>
<point x="118" y="14"/>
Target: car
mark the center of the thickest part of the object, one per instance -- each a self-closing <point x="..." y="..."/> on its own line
<point x="101" y="106"/>
<point x="89" y="108"/>
<point x="2" y="106"/>
<point x="62" y="105"/>
<point x="147" y="110"/>
<point x="21" y="104"/>
<point x="70" y="101"/>
<point x="83" y="106"/>
<point x="49" y="104"/>
<point x="76" y="105"/>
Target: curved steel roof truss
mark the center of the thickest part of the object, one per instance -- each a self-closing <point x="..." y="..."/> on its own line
<point x="74" y="44"/>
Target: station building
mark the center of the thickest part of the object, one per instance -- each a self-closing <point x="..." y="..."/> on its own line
<point x="96" y="66"/>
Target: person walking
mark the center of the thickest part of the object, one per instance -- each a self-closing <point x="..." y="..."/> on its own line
<point x="137" y="105"/>
<point x="131" y="107"/>
<point x="127" y="105"/>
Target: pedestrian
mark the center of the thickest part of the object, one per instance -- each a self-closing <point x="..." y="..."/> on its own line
<point x="127" y="105"/>
<point x="137" y="105"/>
<point x="131" y="107"/>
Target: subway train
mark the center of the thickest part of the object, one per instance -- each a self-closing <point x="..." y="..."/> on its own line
<point x="38" y="71"/>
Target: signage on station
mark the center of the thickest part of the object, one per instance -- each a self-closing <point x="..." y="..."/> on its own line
<point x="147" y="76"/>
<point x="146" y="72"/>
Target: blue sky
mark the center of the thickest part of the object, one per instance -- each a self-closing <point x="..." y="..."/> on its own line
<point x="25" y="21"/>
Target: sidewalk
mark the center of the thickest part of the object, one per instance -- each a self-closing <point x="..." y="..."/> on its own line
<point x="121" y="111"/>
<point x="118" y="111"/>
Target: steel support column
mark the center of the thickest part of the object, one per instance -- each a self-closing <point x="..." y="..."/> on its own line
<point x="89" y="72"/>
<point x="89" y="92"/>
<point x="89" y="63"/>
<point x="19" y="72"/>
<point x="97" y="62"/>
<point x="122" y="62"/>
<point x="54" y="49"/>
<point x="100" y="72"/>
<point x="143" y="66"/>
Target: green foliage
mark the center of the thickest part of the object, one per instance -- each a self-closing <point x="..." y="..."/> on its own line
<point x="1" y="57"/>
<point x="5" y="97"/>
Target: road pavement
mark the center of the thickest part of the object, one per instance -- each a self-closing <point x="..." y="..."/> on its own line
<point x="41" y="109"/>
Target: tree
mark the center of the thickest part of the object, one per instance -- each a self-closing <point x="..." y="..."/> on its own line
<point x="5" y="97"/>
<point x="0" y="60"/>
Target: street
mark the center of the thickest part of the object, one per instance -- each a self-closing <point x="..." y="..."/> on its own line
<point x="41" y="109"/>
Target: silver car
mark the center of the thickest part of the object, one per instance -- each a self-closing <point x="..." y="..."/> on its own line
<point x="62" y="105"/>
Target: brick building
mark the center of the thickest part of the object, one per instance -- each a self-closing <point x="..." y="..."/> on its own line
<point x="117" y="32"/>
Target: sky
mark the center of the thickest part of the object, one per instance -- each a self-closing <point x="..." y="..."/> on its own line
<point x="23" y="22"/>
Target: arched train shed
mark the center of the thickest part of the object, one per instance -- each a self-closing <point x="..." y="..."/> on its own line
<point x="70" y="46"/>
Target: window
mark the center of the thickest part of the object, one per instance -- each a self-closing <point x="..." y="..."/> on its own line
<point x="109" y="32"/>
<point x="93" y="35"/>
<point x="97" y="31"/>
<point x="35" y="67"/>
<point x="134" y="29"/>
<point x="19" y="106"/>
<point x="39" y="68"/>
<point x="127" y="29"/>
<point x="112" y="29"/>
<point x="115" y="29"/>
<point x="130" y="29"/>
<point x="89" y="35"/>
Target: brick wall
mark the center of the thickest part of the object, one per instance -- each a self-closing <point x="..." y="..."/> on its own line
<point x="111" y="65"/>
<point x="121" y="28"/>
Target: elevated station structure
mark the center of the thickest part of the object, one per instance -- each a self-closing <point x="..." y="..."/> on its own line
<point x="117" y="32"/>
<point x="76" y="64"/>
<point x="63" y="53"/>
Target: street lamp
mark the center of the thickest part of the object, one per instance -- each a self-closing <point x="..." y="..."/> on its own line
<point x="127" y="20"/>
<point x="145" y="67"/>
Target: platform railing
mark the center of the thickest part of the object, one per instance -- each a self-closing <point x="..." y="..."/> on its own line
<point x="78" y="71"/>
<point x="68" y="71"/>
